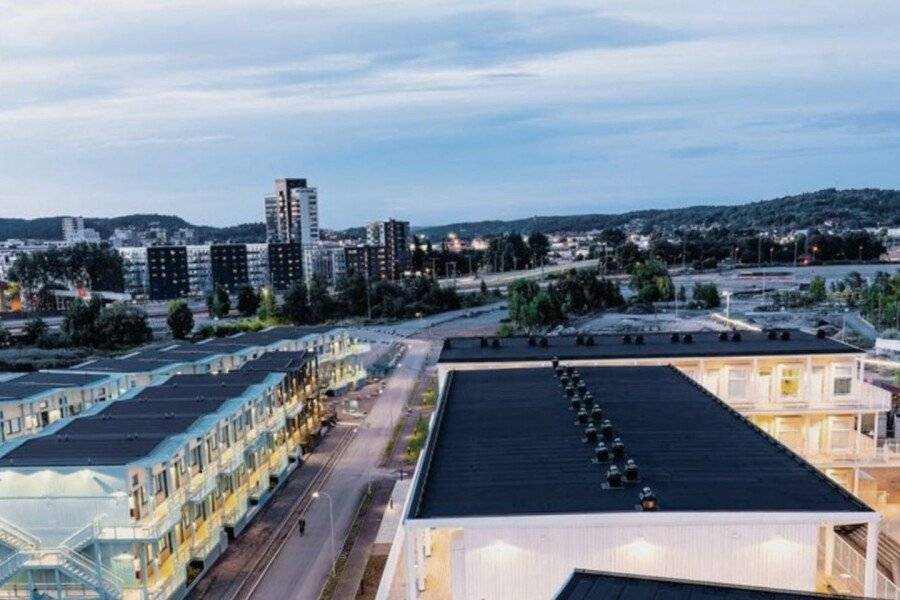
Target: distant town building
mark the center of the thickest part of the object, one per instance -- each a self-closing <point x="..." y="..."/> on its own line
<point x="292" y="213"/>
<point x="394" y="237"/>
<point x="167" y="272"/>
<point x="330" y="262"/>
<point x="368" y="261"/>
<point x="74" y="231"/>
<point x="228" y="266"/>
<point x="285" y="264"/>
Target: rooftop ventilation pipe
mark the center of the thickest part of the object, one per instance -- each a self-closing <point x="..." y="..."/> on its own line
<point x="631" y="470"/>
<point x="675" y="338"/>
<point x="626" y="339"/>
<point x="785" y="336"/>
<point x="639" y="339"/>
<point x="544" y="342"/>
<point x="590" y="434"/>
<point x="607" y="429"/>
<point x="614" y="477"/>
<point x="597" y="414"/>
<point x="723" y="337"/>
<point x="688" y="338"/>
<point x="589" y="340"/>
<point x="582" y="417"/>
<point x="588" y="399"/>
<point x="601" y="453"/>
<point x="820" y="334"/>
<point x="736" y="336"/>
<point x="495" y="343"/>
<point x="772" y="335"/>
<point x="618" y="448"/>
<point x="648" y="500"/>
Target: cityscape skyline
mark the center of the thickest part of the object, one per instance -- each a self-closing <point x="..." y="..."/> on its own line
<point x="701" y="105"/>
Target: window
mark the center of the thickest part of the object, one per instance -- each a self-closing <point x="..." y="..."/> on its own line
<point x="737" y="383"/>
<point x="790" y="381"/>
<point x="843" y="379"/>
<point x="159" y="484"/>
<point x="841" y="429"/>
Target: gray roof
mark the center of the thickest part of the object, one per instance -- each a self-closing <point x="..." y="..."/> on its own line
<point x="595" y="585"/>
<point x="282" y="362"/>
<point x="505" y="442"/>
<point x="655" y="345"/>
<point x="29" y="384"/>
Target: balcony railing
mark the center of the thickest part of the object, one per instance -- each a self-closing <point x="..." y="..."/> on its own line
<point x="864" y="397"/>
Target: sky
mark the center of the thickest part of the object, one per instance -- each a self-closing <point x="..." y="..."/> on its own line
<point x="441" y="111"/>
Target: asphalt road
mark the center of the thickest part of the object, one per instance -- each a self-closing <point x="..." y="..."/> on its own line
<point x="301" y="567"/>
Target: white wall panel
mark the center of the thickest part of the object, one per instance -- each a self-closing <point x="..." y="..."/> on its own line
<point x="533" y="563"/>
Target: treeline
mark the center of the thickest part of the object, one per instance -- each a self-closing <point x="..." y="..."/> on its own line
<point x="93" y="266"/>
<point x="354" y="298"/>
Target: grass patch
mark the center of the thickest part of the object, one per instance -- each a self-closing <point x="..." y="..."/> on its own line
<point x="392" y="442"/>
<point x="430" y="396"/>
<point x="416" y="440"/>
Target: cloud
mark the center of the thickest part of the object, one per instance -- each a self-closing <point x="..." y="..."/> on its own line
<point x="607" y="101"/>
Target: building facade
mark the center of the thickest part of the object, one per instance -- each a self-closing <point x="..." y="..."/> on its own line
<point x="167" y="272"/>
<point x="394" y="237"/>
<point x="229" y="267"/>
<point x="292" y="213"/>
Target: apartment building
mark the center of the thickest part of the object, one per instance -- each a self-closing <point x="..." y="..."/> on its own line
<point x="529" y="473"/>
<point x="292" y="213"/>
<point x="199" y="261"/>
<point x="369" y="261"/>
<point x="138" y="497"/>
<point x="29" y="402"/>
<point x="258" y="265"/>
<point x="285" y="264"/>
<point x="806" y="390"/>
<point x="167" y="272"/>
<point x="394" y="237"/>
<point x="229" y="267"/>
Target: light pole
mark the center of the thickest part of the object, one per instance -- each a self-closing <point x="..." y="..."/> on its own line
<point x="331" y="522"/>
<point x="727" y="295"/>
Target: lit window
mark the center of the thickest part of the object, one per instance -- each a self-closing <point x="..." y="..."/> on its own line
<point x="790" y="381"/>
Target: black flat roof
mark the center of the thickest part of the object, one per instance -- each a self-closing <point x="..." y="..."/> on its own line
<point x="596" y="585"/>
<point x="505" y="443"/>
<point x="656" y="345"/>
<point x="277" y="334"/>
<point x="140" y="363"/>
<point x="60" y="451"/>
<point x="282" y="362"/>
<point x="30" y="384"/>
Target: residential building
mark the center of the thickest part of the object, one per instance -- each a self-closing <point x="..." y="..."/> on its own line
<point x="229" y="266"/>
<point x="529" y="473"/>
<point x="330" y="262"/>
<point x="285" y="264"/>
<point x="806" y="390"/>
<point x="135" y="269"/>
<point x="199" y="261"/>
<point x="394" y="236"/>
<point x="368" y="261"/>
<point x="29" y="402"/>
<point x="167" y="268"/>
<point x="292" y="213"/>
<point x="258" y="265"/>
<point x="74" y="231"/>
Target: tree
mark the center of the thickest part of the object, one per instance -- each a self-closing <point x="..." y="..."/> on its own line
<point x="295" y="307"/>
<point x="218" y="302"/>
<point x="321" y="305"/>
<point x="682" y="294"/>
<point x="180" y="319"/>
<point x="707" y="295"/>
<point x="79" y="326"/>
<point x="5" y="337"/>
<point x="34" y="330"/>
<point x="247" y="301"/>
<point x="521" y="294"/>
<point x="122" y="325"/>
<point x="539" y="246"/>
<point x="817" y="289"/>
<point x="483" y="288"/>
<point x="352" y="293"/>
<point x="268" y="310"/>
<point x="651" y="280"/>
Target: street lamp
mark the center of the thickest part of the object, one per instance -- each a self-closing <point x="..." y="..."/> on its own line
<point x="727" y="295"/>
<point x="315" y="496"/>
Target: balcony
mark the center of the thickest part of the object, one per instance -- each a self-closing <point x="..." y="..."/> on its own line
<point x="864" y="397"/>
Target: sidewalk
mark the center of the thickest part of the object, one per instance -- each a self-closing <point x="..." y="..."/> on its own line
<point x="228" y="573"/>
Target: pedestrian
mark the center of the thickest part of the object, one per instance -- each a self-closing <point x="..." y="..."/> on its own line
<point x="301" y="527"/>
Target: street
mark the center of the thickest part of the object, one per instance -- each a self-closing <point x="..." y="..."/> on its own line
<point x="302" y="565"/>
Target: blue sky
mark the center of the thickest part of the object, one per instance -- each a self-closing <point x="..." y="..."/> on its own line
<point x="441" y="111"/>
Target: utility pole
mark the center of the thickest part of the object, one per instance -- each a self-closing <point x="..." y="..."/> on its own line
<point x="683" y="257"/>
<point x="796" y="241"/>
<point x="759" y="251"/>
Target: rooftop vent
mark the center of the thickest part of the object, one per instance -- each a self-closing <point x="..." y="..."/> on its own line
<point x="554" y="362"/>
<point x="601" y="453"/>
<point x="574" y="403"/>
<point x="639" y="339"/>
<point x="675" y="338"/>
<point x="582" y="417"/>
<point x="564" y="380"/>
<point x="544" y="342"/>
<point x="532" y="341"/>
<point x="785" y="336"/>
<point x="626" y="339"/>
<point x="820" y="334"/>
<point x="723" y="337"/>
<point x="607" y="429"/>
<point x="590" y="434"/>
<point x="736" y="336"/>
<point x="618" y="448"/>
<point x="495" y="343"/>
<point x="614" y="477"/>
<point x="447" y="344"/>
<point x="773" y="335"/>
<point x="597" y="414"/>
<point x="582" y="388"/>
<point x="688" y="338"/>
<point x="588" y="399"/>
<point x="589" y="340"/>
<point x="579" y="340"/>
<point x="569" y="370"/>
<point x="570" y="391"/>
<point x="648" y="500"/>
<point x="559" y="371"/>
<point x="631" y="470"/>
<point x="484" y="342"/>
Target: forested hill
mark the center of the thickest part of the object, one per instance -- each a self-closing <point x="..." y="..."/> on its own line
<point x="849" y="208"/>
<point x="50" y="228"/>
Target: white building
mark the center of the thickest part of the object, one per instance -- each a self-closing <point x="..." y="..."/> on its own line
<point x="528" y="475"/>
<point x="258" y="265"/>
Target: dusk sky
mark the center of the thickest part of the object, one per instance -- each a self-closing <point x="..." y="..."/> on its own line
<point x="441" y="111"/>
